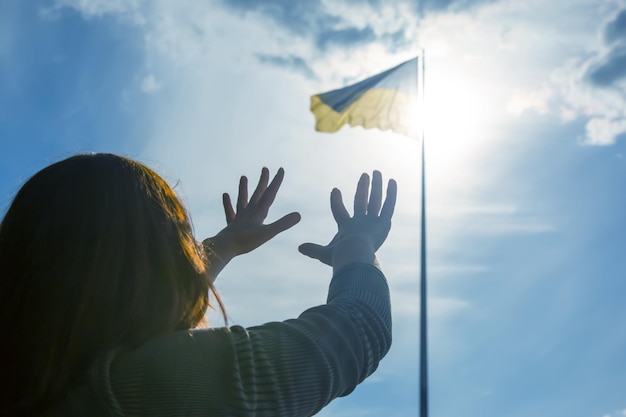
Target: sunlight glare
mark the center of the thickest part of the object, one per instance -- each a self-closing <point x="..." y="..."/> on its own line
<point x="459" y="108"/>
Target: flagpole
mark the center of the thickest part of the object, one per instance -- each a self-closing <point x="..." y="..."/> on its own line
<point x="423" y="310"/>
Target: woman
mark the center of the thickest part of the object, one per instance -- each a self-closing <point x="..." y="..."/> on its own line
<point x="102" y="282"/>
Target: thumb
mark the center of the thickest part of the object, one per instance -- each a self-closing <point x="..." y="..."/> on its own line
<point x="314" y="251"/>
<point x="283" y="223"/>
<point x="286" y="222"/>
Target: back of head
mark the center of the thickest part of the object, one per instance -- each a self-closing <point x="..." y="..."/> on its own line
<point x="96" y="251"/>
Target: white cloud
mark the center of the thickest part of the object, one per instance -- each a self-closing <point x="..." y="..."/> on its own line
<point x="602" y="131"/>
<point x="537" y="100"/>
<point x="603" y="107"/>
<point x="523" y="70"/>
<point x="538" y="60"/>
<point x="150" y="84"/>
<point x="206" y="58"/>
<point x="383" y="18"/>
<point x="131" y="10"/>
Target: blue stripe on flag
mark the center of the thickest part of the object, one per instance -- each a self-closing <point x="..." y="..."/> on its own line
<point x="400" y="78"/>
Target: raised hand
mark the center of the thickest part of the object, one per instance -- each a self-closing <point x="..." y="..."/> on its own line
<point x="358" y="237"/>
<point x="245" y="230"/>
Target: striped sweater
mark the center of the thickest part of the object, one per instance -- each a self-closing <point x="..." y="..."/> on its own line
<point x="291" y="368"/>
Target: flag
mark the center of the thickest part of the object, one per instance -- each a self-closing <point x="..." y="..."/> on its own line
<point x="386" y="101"/>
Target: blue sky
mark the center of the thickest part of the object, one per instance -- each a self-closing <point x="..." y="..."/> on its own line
<point x="526" y="163"/>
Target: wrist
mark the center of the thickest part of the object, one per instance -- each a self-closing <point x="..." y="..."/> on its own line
<point x="217" y="255"/>
<point x="218" y="251"/>
<point x="353" y="249"/>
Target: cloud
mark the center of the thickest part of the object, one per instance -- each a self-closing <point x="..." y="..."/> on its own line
<point x="602" y="131"/>
<point x="287" y="34"/>
<point x="130" y="10"/>
<point x="150" y="84"/>
<point x="616" y="29"/>
<point x="563" y="71"/>
<point x="343" y="24"/>
<point x="298" y="17"/>
<point x="452" y="5"/>
<point x="609" y="69"/>
<point x="537" y="100"/>
<point x="346" y="38"/>
<point x="296" y="63"/>
<point x="427" y="6"/>
<point x="608" y="66"/>
<point x="306" y="37"/>
<point x="593" y="86"/>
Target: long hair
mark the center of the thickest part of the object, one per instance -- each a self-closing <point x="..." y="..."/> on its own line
<point x="96" y="252"/>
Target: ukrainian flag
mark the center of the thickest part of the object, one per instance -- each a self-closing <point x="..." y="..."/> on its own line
<point x="385" y="101"/>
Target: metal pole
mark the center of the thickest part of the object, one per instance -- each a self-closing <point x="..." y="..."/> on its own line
<point x="423" y="310"/>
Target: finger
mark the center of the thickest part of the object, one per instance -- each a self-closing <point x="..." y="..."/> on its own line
<point x="261" y="186"/>
<point x="376" y="195"/>
<point x="337" y="207"/>
<point x="390" y="201"/>
<point x="314" y="251"/>
<point x="282" y="224"/>
<point x="360" y="197"/>
<point x="228" y="208"/>
<point x="270" y="193"/>
<point x="242" y="198"/>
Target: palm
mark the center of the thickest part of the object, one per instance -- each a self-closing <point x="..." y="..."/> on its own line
<point x="371" y="221"/>
<point x="245" y="230"/>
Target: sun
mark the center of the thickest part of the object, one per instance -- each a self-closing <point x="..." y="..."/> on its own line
<point x="459" y="109"/>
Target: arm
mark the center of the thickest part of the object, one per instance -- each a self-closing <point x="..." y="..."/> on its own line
<point x="296" y="367"/>
<point x="291" y="368"/>
<point x="244" y="229"/>
<point x="327" y="351"/>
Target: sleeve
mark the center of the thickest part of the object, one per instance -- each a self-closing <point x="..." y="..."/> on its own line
<point x="291" y="368"/>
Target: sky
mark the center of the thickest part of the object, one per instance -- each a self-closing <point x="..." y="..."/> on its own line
<point x="525" y="167"/>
